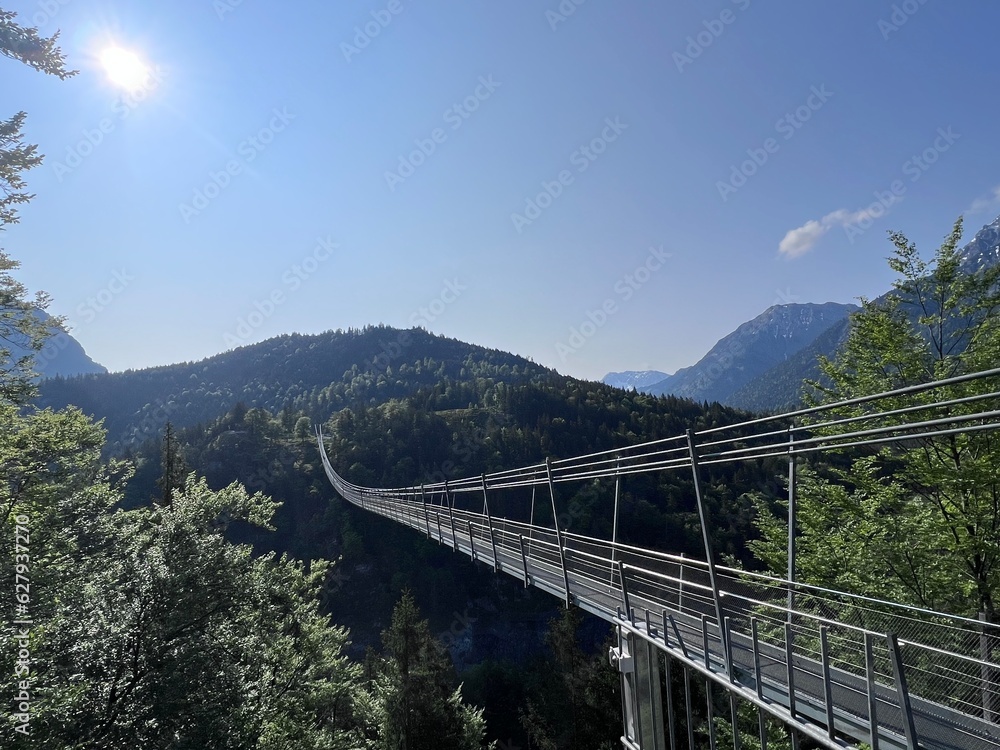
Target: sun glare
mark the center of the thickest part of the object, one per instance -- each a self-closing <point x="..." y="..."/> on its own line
<point x="124" y="68"/>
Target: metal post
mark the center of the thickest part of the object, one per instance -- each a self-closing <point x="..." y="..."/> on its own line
<point x="755" y="640"/>
<point x="703" y="516"/>
<point x="711" y="714"/>
<point x="984" y="670"/>
<point x="736" y="723"/>
<point x="451" y="514"/>
<point x="472" y="544"/>
<point x="704" y="641"/>
<point x="792" y="515"/>
<point x="727" y="643"/>
<point x="680" y="584"/>
<point x="671" y="720"/>
<point x="489" y="522"/>
<point x="614" y="528"/>
<point x="909" y="729"/>
<point x="437" y="516"/>
<point x="555" y="522"/>
<point x="790" y="665"/>
<point x="687" y="706"/>
<point x="824" y="652"/>
<point x="625" y="602"/>
<point x="872" y="700"/>
<point x="531" y="519"/>
<point x="427" y="518"/>
<point x="524" y="559"/>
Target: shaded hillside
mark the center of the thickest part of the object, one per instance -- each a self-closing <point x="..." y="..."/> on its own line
<point x="316" y="374"/>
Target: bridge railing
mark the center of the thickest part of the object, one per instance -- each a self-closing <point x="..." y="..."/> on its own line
<point x="785" y="637"/>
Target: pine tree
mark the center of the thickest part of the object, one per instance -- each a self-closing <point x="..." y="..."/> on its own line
<point x="173" y="466"/>
<point x="414" y="706"/>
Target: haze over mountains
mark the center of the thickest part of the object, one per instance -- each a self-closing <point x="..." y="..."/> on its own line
<point x="761" y="365"/>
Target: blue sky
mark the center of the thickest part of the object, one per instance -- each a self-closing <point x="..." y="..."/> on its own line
<point x="599" y="186"/>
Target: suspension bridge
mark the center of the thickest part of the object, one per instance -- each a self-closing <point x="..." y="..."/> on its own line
<point x="837" y="670"/>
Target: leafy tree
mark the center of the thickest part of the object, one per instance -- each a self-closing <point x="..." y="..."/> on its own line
<point x="20" y="329"/>
<point x="148" y="628"/>
<point x="413" y="705"/>
<point x="919" y="522"/>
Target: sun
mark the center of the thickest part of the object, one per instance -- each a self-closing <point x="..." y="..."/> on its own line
<point x="124" y="68"/>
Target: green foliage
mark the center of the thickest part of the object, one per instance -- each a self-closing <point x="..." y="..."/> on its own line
<point x="20" y="329"/>
<point x="414" y="705"/>
<point x="916" y="523"/>
<point x="577" y="704"/>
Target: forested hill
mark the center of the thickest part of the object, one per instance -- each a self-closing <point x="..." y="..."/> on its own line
<point x="313" y="374"/>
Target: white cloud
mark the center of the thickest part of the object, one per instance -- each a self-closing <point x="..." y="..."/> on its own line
<point x="801" y="240"/>
<point x="987" y="203"/>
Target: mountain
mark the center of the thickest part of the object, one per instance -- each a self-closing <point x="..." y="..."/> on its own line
<point x="316" y="374"/>
<point x="984" y="249"/>
<point x="772" y="338"/>
<point x="62" y="355"/>
<point x="722" y="374"/>
<point x="780" y="387"/>
<point x="637" y="379"/>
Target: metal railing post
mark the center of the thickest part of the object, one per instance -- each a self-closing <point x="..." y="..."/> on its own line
<point x="451" y="515"/>
<point x="524" y="559"/>
<point x="427" y="518"/>
<point x="872" y="697"/>
<point x="555" y="522"/>
<point x="792" y="515"/>
<point x="703" y="516"/>
<point x="824" y="656"/>
<point x="489" y="523"/>
<point x="909" y="728"/>
<point x="614" y="527"/>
